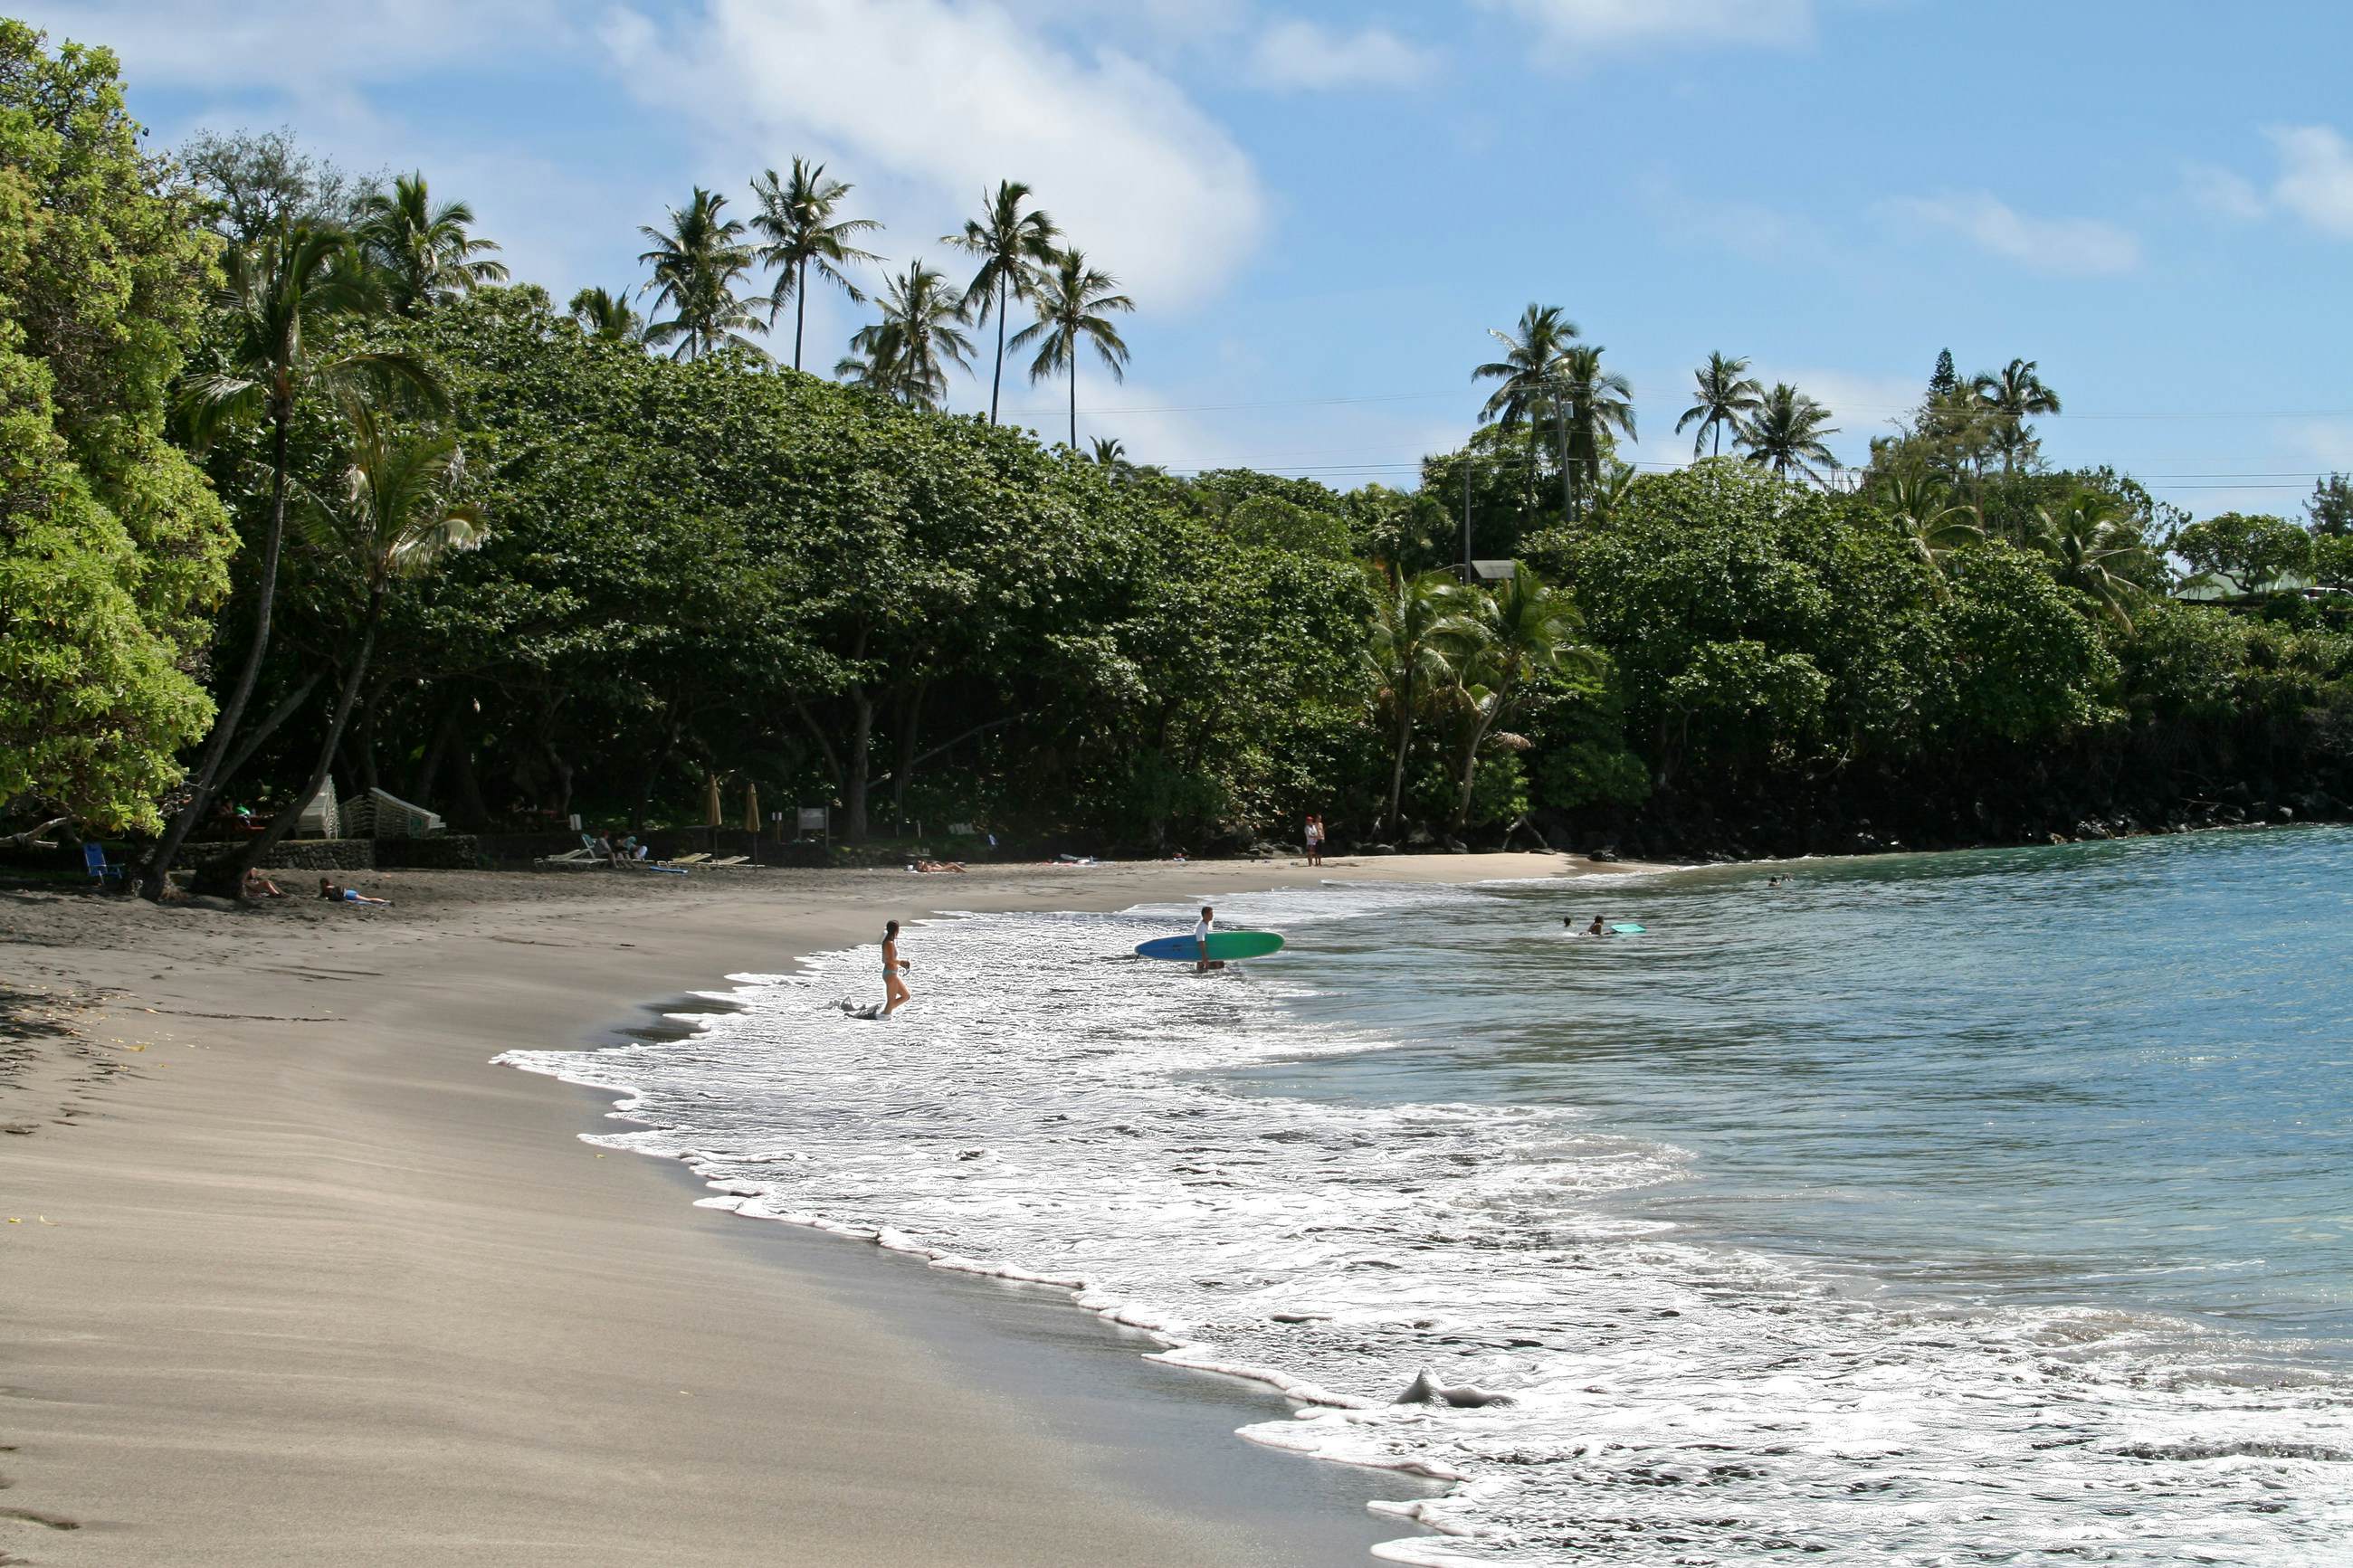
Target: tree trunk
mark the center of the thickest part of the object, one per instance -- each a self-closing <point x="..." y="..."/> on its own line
<point x="368" y="776"/>
<point x="468" y="783"/>
<point x="800" y="311"/>
<point x="225" y="877"/>
<point x="1471" y="764"/>
<point x="1074" y="398"/>
<point x="903" y="771"/>
<point x="428" y="769"/>
<point x="861" y="765"/>
<point x="997" y="380"/>
<point x="1405" y="741"/>
<point x="268" y="726"/>
<point x="154" y="873"/>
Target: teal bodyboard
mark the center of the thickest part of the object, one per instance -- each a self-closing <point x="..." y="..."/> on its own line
<point x="1626" y="928"/>
<point x="1224" y="944"/>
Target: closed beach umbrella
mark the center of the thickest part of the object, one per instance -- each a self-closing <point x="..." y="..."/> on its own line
<point x="711" y="808"/>
<point x="752" y="808"/>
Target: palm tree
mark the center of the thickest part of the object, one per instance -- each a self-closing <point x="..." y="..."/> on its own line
<point x="1110" y="451"/>
<point x="1528" y="370"/>
<point x="393" y="517"/>
<point x="796" y="219"/>
<point x="1013" y="246"/>
<point x="1610" y="491"/>
<point x="1786" y="432"/>
<point x="1417" y="624"/>
<point x="1930" y="526"/>
<point x="607" y="317"/>
<point x="906" y="354"/>
<point x="1073" y="300"/>
<point x="1595" y="406"/>
<point x="2014" y="395"/>
<point x="1521" y="630"/>
<point x="2096" y="552"/>
<point x="1725" y="396"/>
<point x="697" y="262"/>
<point x="276" y="297"/>
<point x="426" y="252"/>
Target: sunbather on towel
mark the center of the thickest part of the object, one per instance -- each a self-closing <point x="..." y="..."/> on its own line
<point x="338" y="895"/>
<point x="258" y="885"/>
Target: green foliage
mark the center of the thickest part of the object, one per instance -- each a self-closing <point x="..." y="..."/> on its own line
<point x="1499" y="795"/>
<point x="111" y="548"/>
<point x="2331" y="506"/>
<point x="2252" y="552"/>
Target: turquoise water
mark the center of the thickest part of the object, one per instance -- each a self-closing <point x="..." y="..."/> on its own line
<point x="2111" y="1074"/>
<point x="1988" y="1207"/>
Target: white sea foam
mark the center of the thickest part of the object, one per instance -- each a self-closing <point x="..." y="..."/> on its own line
<point x="1048" y="1111"/>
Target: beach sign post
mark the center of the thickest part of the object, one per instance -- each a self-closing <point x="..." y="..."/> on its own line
<point x="817" y="819"/>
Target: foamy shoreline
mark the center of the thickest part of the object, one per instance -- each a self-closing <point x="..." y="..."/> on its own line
<point x="303" y="1279"/>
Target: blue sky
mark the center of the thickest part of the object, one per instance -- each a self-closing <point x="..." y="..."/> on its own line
<point x="1321" y="207"/>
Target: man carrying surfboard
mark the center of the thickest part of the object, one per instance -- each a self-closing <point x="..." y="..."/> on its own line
<point x="1203" y="963"/>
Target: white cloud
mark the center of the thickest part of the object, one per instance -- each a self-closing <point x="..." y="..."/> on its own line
<point x="945" y="99"/>
<point x="2076" y="246"/>
<point x="2315" y="179"/>
<point x="1300" y="54"/>
<point x="2221" y="194"/>
<point x="1584" y="27"/>
<point x="306" y="49"/>
<point x="1744" y="227"/>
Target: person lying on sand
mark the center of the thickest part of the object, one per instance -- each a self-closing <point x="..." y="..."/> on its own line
<point x="937" y="865"/>
<point x="338" y="895"/>
<point x="258" y="885"/>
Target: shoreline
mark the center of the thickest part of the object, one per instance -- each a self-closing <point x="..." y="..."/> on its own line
<point x="306" y="1284"/>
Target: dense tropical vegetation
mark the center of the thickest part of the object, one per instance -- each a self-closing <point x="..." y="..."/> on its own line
<point x="300" y="485"/>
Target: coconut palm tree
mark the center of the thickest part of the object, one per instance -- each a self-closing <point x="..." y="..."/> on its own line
<point x="1012" y="246"/>
<point x="1596" y="407"/>
<point x="606" y="317"/>
<point x="277" y="296"/>
<point x="1725" y="396"/>
<point x="906" y="354"/>
<point x="2094" y="550"/>
<point x="697" y="262"/>
<point x="1418" y="623"/>
<point x="1931" y="525"/>
<point x="426" y="252"/>
<point x="1527" y="371"/>
<point x="1786" y="432"/>
<point x="392" y="517"/>
<point x="1074" y="302"/>
<point x="1523" y="628"/>
<point x="796" y="218"/>
<point x="2013" y="396"/>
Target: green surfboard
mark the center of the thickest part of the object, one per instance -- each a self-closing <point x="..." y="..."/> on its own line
<point x="1224" y="944"/>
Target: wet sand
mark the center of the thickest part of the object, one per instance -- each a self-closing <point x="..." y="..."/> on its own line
<point x="297" y="1276"/>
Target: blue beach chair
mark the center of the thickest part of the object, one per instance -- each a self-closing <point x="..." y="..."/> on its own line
<point x="93" y="858"/>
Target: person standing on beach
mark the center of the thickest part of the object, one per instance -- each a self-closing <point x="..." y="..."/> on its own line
<point x="1316" y="841"/>
<point x="895" y="994"/>
<point x="1203" y="962"/>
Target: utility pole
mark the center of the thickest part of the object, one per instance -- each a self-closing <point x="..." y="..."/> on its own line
<point x="1466" y="513"/>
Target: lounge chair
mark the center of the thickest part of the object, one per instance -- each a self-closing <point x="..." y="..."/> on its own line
<point x="586" y="855"/>
<point x="93" y="856"/>
<point x="690" y="859"/>
<point x="731" y="860"/>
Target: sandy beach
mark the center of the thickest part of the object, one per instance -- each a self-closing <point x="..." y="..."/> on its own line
<point x="294" y="1275"/>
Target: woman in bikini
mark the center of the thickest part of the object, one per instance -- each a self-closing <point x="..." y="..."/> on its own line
<point x="895" y="995"/>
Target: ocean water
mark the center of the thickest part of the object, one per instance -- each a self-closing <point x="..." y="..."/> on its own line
<point x="1985" y="1208"/>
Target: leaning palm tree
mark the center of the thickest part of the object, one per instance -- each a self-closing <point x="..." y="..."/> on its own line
<point x="277" y="297"/>
<point x="1074" y="303"/>
<point x="1528" y="370"/>
<point x="2094" y="550"/>
<point x="906" y="354"/>
<point x="1522" y="629"/>
<point x="1012" y="246"/>
<point x="1418" y="624"/>
<point x="606" y="316"/>
<point x="1596" y="407"/>
<point x="796" y="218"/>
<point x="697" y="262"/>
<point x="427" y="253"/>
<point x="1786" y="432"/>
<point x="393" y="515"/>
<point x="1724" y="395"/>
